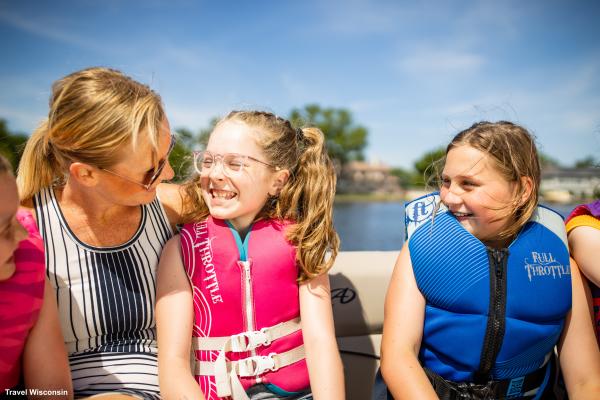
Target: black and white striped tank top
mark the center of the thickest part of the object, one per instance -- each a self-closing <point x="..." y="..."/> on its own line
<point x="106" y="298"/>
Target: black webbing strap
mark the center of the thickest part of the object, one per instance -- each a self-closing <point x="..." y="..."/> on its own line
<point x="505" y="389"/>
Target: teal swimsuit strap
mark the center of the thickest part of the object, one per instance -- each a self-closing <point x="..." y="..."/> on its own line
<point x="241" y="245"/>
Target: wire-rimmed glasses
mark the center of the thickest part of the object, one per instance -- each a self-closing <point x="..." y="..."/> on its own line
<point x="232" y="163"/>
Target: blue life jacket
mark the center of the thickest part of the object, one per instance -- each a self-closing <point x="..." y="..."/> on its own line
<point x="490" y="314"/>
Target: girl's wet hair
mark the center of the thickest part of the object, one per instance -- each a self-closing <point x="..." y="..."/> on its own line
<point x="307" y="197"/>
<point x="93" y="114"/>
<point x="514" y="154"/>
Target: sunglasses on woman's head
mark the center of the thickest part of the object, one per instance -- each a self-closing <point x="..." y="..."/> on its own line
<point x="151" y="176"/>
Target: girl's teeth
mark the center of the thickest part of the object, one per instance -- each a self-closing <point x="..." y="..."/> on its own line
<point x="223" y="194"/>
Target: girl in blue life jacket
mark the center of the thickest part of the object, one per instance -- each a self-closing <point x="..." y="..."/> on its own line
<point x="245" y="283"/>
<point x="484" y="288"/>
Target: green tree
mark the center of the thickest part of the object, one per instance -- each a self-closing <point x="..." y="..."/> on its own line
<point x="204" y="133"/>
<point x="181" y="157"/>
<point x="427" y="166"/>
<point x="587" y="162"/>
<point x="405" y="177"/>
<point x="345" y="140"/>
<point x="547" y="162"/>
<point x="11" y="144"/>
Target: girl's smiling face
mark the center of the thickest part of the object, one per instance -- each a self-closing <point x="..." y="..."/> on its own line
<point x="11" y="231"/>
<point x="237" y="196"/>
<point x="475" y="192"/>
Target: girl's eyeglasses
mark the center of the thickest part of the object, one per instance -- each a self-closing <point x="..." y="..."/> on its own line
<point x="151" y="176"/>
<point x="232" y="163"/>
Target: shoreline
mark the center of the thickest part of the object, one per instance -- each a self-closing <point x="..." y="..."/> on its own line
<point x="411" y="195"/>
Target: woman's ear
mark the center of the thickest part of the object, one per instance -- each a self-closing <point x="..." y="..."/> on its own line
<point x="280" y="178"/>
<point x="526" y="190"/>
<point x="83" y="173"/>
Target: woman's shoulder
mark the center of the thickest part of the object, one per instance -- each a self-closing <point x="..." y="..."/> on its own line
<point x="171" y="197"/>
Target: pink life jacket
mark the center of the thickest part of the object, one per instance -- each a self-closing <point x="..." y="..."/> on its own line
<point x="246" y="308"/>
<point x="22" y="297"/>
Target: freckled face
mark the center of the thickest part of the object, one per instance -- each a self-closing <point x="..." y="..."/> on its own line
<point x="237" y="196"/>
<point x="11" y="231"/>
<point x="476" y="194"/>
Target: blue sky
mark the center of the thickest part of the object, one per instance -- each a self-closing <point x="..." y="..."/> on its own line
<point x="413" y="72"/>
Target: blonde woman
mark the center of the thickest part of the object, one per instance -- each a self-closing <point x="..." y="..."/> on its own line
<point x="90" y="172"/>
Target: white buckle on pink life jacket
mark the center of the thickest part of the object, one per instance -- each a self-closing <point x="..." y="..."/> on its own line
<point x="227" y="372"/>
<point x="256" y="365"/>
<point x="246" y="341"/>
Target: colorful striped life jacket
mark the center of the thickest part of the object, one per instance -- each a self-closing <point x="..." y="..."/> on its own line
<point x="246" y="308"/>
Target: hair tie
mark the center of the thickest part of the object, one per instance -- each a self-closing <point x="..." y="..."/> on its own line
<point x="299" y="135"/>
<point x="48" y="147"/>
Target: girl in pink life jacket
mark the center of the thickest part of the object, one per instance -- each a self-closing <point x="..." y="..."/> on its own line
<point x="31" y="345"/>
<point x="245" y="283"/>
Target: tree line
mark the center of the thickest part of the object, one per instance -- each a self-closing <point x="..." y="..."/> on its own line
<point x="346" y="141"/>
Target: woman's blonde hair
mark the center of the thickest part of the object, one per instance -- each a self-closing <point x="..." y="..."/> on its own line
<point x="513" y="152"/>
<point x="307" y="197"/>
<point x="93" y="113"/>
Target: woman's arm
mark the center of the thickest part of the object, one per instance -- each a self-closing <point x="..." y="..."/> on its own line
<point x="404" y="316"/>
<point x="45" y="363"/>
<point x="584" y="243"/>
<point x="322" y="356"/>
<point x="174" y="321"/>
<point x="578" y="348"/>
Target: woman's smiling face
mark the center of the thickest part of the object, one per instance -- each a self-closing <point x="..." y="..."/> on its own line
<point x="475" y="192"/>
<point x="236" y="196"/>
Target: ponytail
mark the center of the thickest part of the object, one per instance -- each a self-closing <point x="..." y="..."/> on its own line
<point x="308" y="200"/>
<point x="38" y="167"/>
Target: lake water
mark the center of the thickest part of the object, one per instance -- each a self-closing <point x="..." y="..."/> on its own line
<point x="380" y="226"/>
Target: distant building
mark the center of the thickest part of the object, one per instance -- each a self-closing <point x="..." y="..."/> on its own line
<point x="566" y="184"/>
<point x="363" y="177"/>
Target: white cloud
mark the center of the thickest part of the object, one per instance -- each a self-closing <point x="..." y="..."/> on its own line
<point x="436" y="61"/>
<point x="361" y="17"/>
<point x="47" y="30"/>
